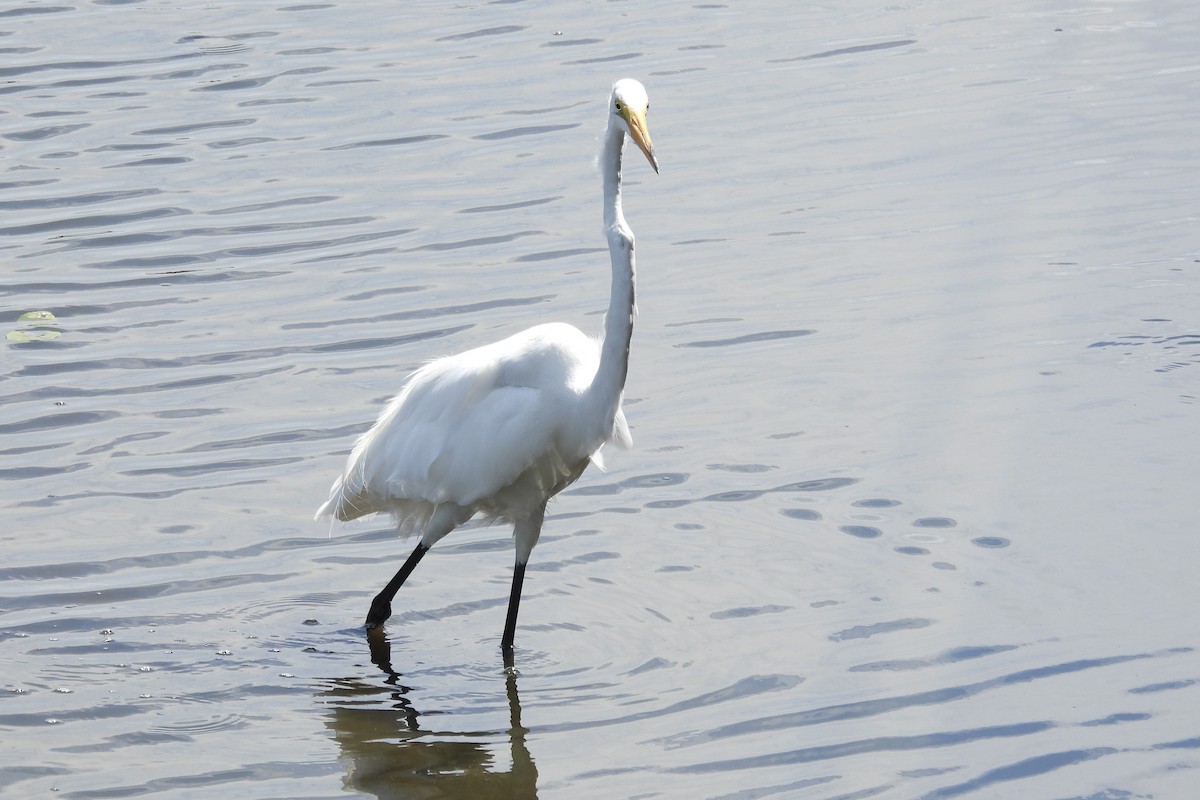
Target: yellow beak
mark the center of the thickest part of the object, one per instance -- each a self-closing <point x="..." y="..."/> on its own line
<point x="639" y="133"/>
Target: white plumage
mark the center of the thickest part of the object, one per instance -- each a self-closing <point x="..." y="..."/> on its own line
<point x="500" y="429"/>
<point x="503" y="402"/>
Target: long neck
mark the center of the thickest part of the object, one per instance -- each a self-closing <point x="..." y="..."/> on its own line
<point x="609" y="382"/>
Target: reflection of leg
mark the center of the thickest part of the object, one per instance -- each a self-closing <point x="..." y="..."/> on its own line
<point x="381" y="606"/>
<point x="514" y="600"/>
<point x="381" y="652"/>
<point x="524" y="772"/>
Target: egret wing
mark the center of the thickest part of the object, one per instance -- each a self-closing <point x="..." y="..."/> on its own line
<point x="454" y="434"/>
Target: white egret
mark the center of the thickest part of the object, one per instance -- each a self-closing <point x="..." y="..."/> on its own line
<point x="501" y="429"/>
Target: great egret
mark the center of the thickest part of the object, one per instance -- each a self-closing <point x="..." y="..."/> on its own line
<point x="501" y="429"/>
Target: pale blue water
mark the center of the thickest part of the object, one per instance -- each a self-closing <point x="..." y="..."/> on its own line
<point x="914" y="395"/>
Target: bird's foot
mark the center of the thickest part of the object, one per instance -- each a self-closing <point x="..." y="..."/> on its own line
<point x="381" y="609"/>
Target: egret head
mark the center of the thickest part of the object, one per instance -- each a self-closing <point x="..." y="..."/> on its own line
<point x="628" y="106"/>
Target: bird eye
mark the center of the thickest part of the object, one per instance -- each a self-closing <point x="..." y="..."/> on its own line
<point x="618" y="105"/>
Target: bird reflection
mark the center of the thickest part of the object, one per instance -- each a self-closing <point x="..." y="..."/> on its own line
<point x="391" y="755"/>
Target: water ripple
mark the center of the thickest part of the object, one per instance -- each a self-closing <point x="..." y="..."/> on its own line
<point x="887" y="705"/>
<point x="390" y="142"/>
<point x="1038" y="765"/>
<point x="875" y="745"/>
<point x="530" y="130"/>
<point x="748" y="338"/>
<point x="497" y="30"/>
<point x="231" y="357"/>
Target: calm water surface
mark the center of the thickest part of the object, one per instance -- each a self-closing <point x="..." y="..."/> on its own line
<point x="911" y="509"/>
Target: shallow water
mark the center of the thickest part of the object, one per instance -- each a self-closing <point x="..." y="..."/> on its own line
<point x="914" y="398"/>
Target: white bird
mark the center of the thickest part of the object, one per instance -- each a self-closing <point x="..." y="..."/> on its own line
<point x="501" y="429"/>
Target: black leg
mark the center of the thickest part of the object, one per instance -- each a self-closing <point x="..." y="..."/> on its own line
<point x="381" y="606"/>
<point x="514" y="600"/>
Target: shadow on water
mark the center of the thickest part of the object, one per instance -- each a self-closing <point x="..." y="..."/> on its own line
<point x="392" y="754"/>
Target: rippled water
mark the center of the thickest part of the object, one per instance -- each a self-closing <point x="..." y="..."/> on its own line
<point x="910" y="511"/>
